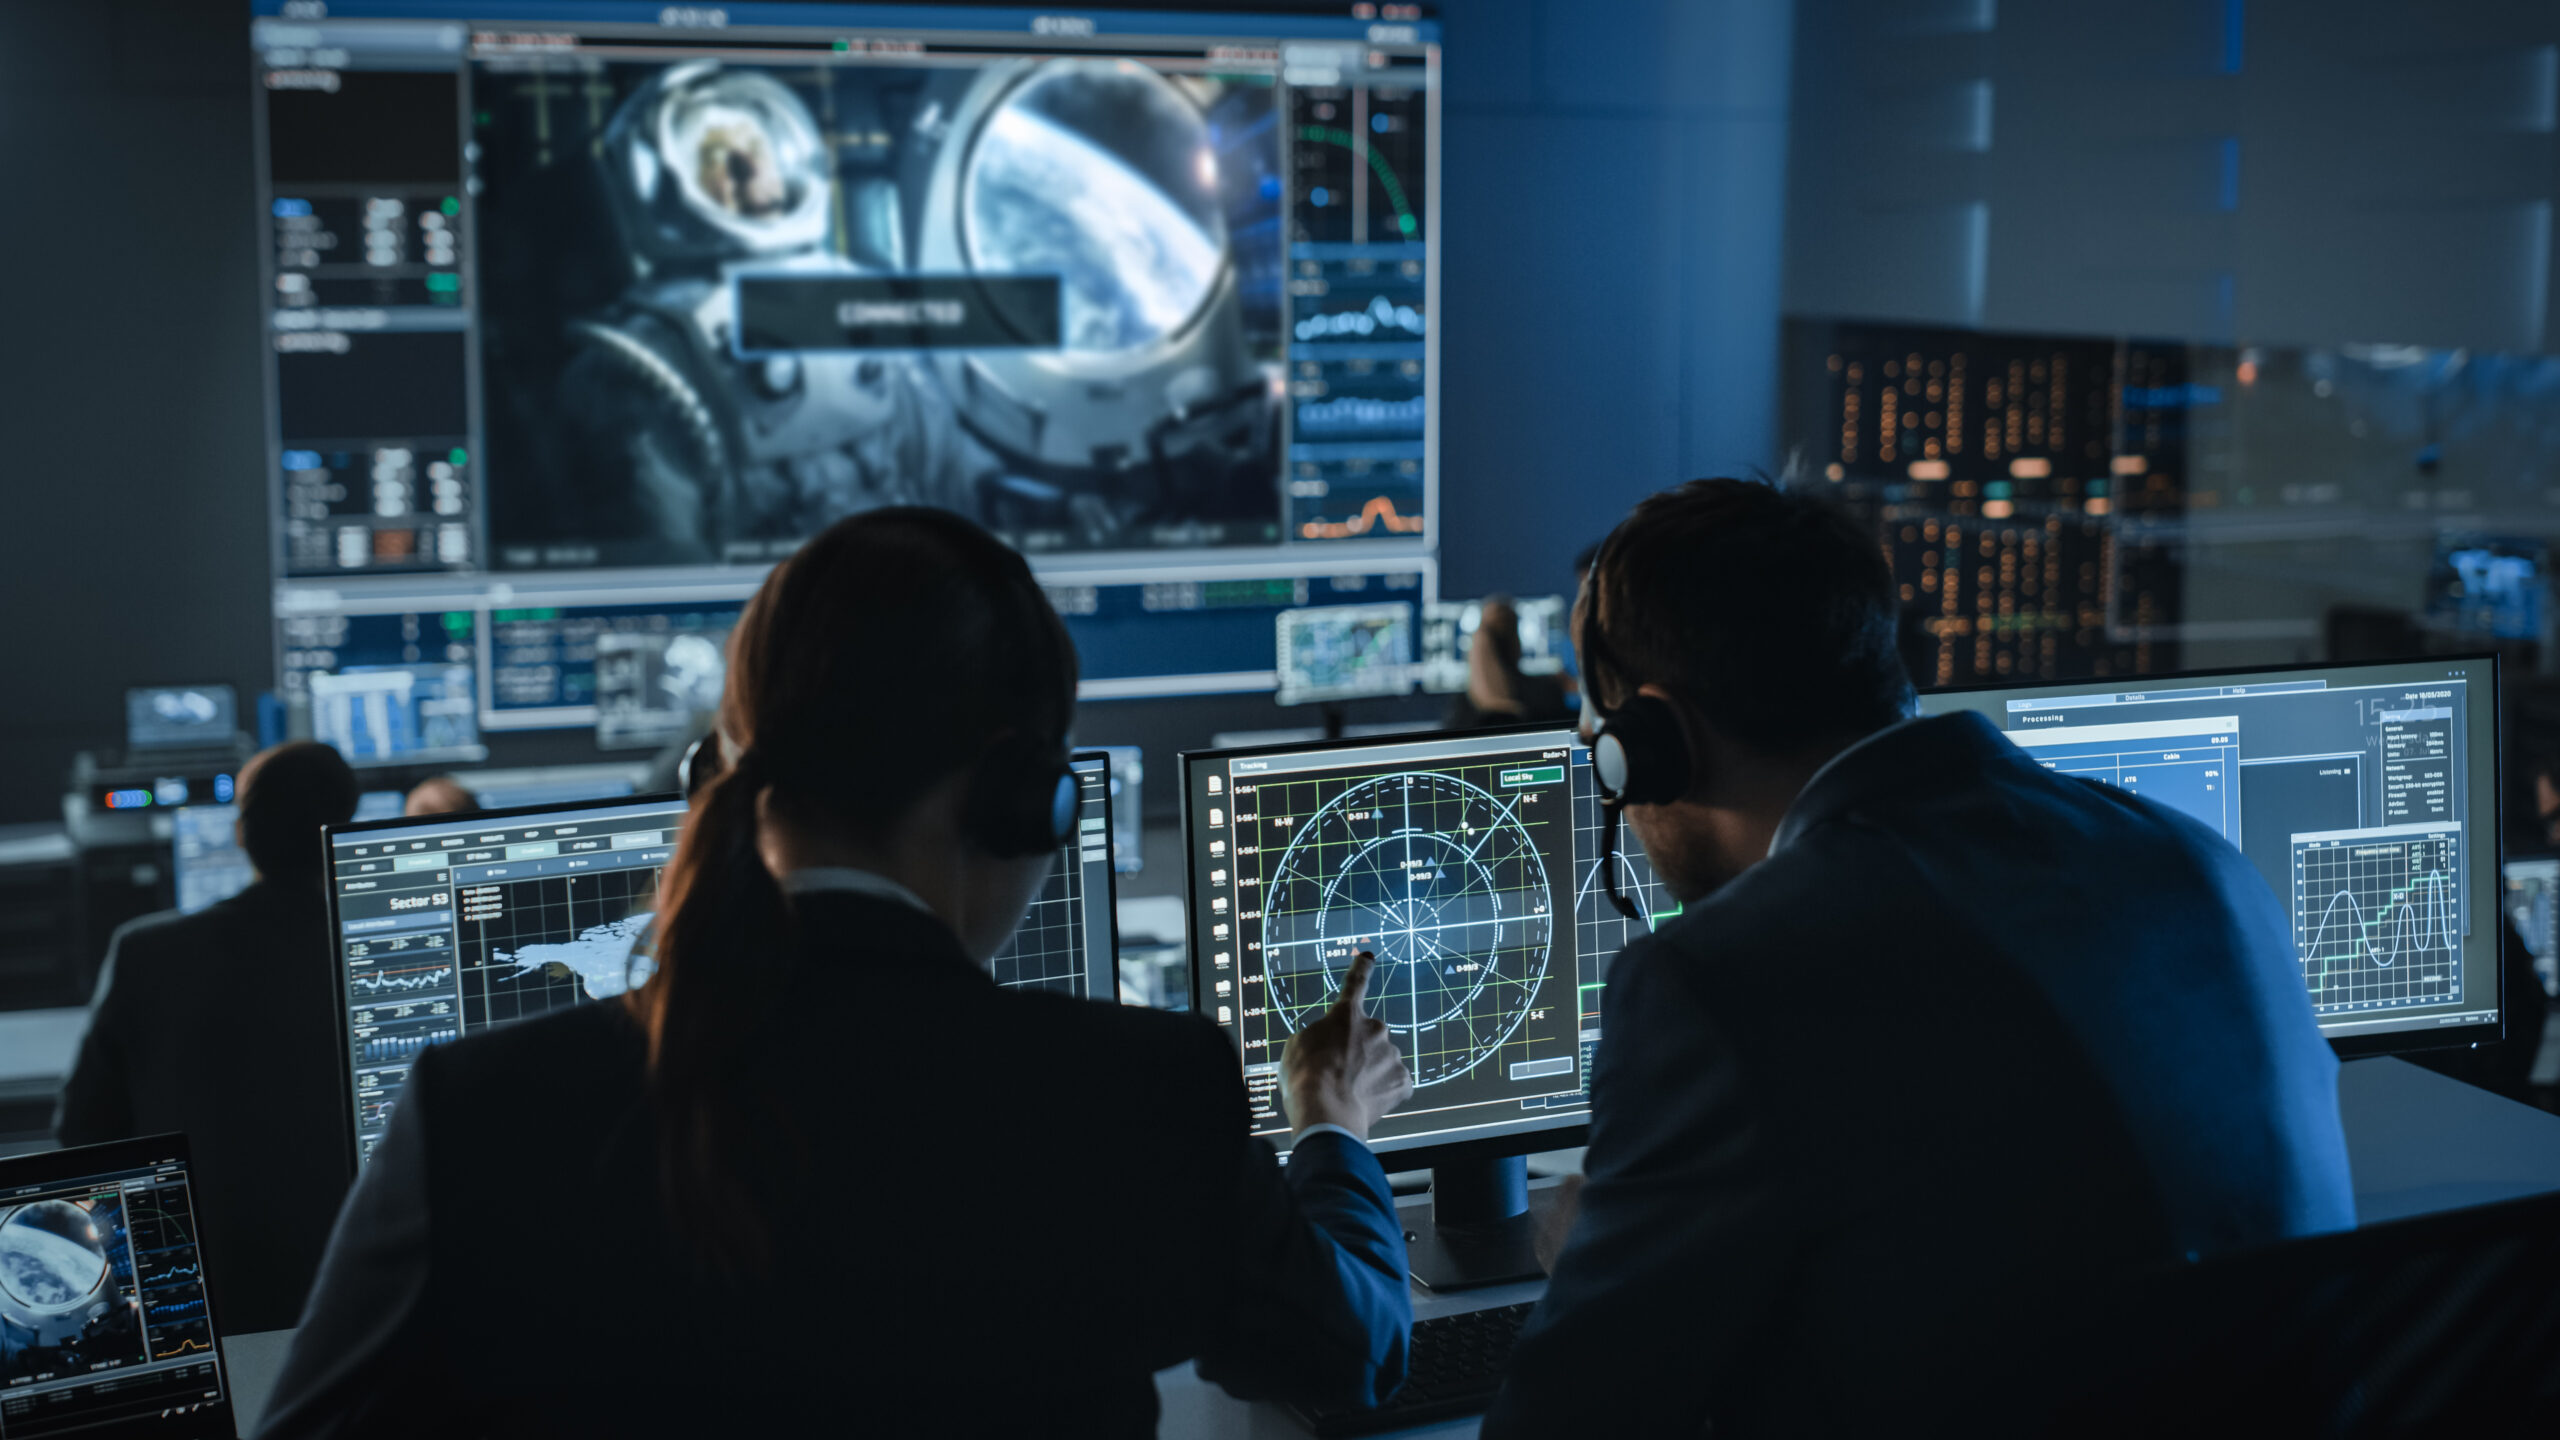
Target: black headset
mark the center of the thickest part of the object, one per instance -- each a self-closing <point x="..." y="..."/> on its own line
<point x="1639" y="751"/>
<point x="1023" y="801"/>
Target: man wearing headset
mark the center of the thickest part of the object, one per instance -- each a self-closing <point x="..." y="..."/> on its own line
<point x="1941" y="1041"/>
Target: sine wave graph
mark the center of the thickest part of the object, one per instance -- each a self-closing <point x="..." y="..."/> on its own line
<point x="2378" y="918"/>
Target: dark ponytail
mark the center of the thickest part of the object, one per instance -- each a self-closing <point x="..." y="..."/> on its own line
<point x="891" y="651"/>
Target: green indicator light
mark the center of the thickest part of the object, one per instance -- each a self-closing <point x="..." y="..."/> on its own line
<point x="843" y="45"/>
<point x="1405" y="223"/>
<point x="504" y="616"/>
<point x="453" y="206"/>
<point x="457" y="622"/>
<point x="443" y="284"/>
<point x="458" y="455"/>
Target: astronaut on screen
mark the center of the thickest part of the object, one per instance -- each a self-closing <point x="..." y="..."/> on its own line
<point x="712" y="171"/>
<point x="1152" y="421"/>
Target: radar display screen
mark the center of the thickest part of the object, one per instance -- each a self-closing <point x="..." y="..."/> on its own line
<point x="1470" y="867"/>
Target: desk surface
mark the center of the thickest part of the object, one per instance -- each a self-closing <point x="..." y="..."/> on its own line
<point x="2417" y="1143"/>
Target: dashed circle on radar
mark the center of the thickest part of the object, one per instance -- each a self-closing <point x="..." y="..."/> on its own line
<point x="1440" y="879"/>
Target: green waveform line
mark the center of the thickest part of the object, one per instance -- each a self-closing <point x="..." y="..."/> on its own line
<point x="1326" y="135"/>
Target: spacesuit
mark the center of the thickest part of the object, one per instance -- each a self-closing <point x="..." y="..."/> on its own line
<point x="713" y="172"/>
<point x="1152" y="424"/>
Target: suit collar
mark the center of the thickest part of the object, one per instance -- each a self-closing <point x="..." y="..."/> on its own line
<point x="857" y="927"/>
<point x="1937" y="752"/>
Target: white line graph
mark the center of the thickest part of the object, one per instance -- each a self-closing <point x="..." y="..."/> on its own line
<point x="2378" y="920"/>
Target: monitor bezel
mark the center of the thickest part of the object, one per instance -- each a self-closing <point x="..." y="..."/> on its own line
<point x="1111" y="866"/>
<point x="1572" y="1129"/>
<point x="2391" y="1042"/>
<point x="329" y="835"/>
<point x="47" y="1167"/>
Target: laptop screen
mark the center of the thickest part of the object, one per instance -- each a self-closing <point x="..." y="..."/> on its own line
<point x="104" y="1317"/>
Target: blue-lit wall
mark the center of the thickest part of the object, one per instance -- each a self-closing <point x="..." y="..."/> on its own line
<point x="1615" y="182"/>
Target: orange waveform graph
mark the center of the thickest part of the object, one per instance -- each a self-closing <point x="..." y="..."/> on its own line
<point x="1379" y="511"/>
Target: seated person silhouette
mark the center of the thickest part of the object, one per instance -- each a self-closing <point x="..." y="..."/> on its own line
<point x="820" y="1173"/>
<point x="224" y="1025"/>
<point x="1941" y="1041"/>
<point x="1498" y="691"/>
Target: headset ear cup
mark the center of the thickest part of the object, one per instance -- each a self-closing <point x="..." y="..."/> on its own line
<point x="1062" y="809"/>
<point x="1651" y="759"/>
<point x="1023" y="801"/>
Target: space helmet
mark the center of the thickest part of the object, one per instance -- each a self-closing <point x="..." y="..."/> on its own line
<point x="707" y="163"/>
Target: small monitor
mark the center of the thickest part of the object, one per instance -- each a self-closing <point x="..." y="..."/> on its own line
<point x="549" y="785"/>
<point x="1470" y="866"/>
<point x="1345" y="652"/>
<point x="398" y="714"/>
<point x="2489" y="587"/>
<point x="1128" y="815"/>
<point x="106" y="1318"/>
<point x="1067" y="940"/>
<point x="180" y="717"/>
<point x="2366" y="796"/>
<point x="2533" y="904"/>
<point x="448" y="925"/>
<point x="1449" y="637"/>
<point x="205" y="858"/>
<point x="656" y="687"/>
<point x="381" y="804"/>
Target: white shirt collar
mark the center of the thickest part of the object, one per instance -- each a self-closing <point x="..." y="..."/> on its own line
<point x="819" y="879"/>
<point x="1851" y="749"/>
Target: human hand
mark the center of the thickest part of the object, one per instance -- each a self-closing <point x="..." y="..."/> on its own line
<point x="1344" y="1069"/>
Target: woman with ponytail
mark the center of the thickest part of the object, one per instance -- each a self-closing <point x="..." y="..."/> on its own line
<point x="819" y="1174"/>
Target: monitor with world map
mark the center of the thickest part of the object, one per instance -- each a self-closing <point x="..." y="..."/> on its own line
<point x="448" y="925"/>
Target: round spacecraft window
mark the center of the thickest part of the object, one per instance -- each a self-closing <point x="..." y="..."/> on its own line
<point x="1101" y="173"/>
<point x="51" y="1256"/>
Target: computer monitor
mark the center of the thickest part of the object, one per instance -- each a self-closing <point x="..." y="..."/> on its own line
<point x="1449" y="637"/>
<point x="2366" y="796"/>
<point x="106" y="1317"/>
<point x="1151" y="295"/>
<point x="180" y="717"/>
<point x="1128" y="814"/>
<point x="381" y="804"/>
<point x="1067" y="942"/>
<point x="448" y="925"/>
<point x="1471" y="865"/>
<point x="205" y="858"/>
<point x="656" y="687"/>
<point x="397" y="714"/>
<point x="1345" y="652"/>
<point x="2533" y="904"/>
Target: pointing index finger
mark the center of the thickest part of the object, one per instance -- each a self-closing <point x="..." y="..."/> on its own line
<point x="1355" y="986"/>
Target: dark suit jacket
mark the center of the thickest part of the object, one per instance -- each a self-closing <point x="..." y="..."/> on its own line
<point x="224" y="1025"/>
<point x="1975" y="1036"/>
<point x="1014" y="1208"/>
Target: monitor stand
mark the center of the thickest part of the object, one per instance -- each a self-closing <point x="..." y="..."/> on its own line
<point x="1481" y="1227"/>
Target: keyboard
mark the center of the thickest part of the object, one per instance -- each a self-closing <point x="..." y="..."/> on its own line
<point x="1457" y="1364"/>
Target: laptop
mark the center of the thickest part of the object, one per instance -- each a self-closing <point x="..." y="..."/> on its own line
<point x="106" y="1322"/>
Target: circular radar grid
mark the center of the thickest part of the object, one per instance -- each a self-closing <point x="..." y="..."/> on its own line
<point x="1439" y="878"/>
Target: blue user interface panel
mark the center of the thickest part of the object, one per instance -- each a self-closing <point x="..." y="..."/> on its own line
<point x="581" y="314"/>
<point x="2364" y="795"/>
